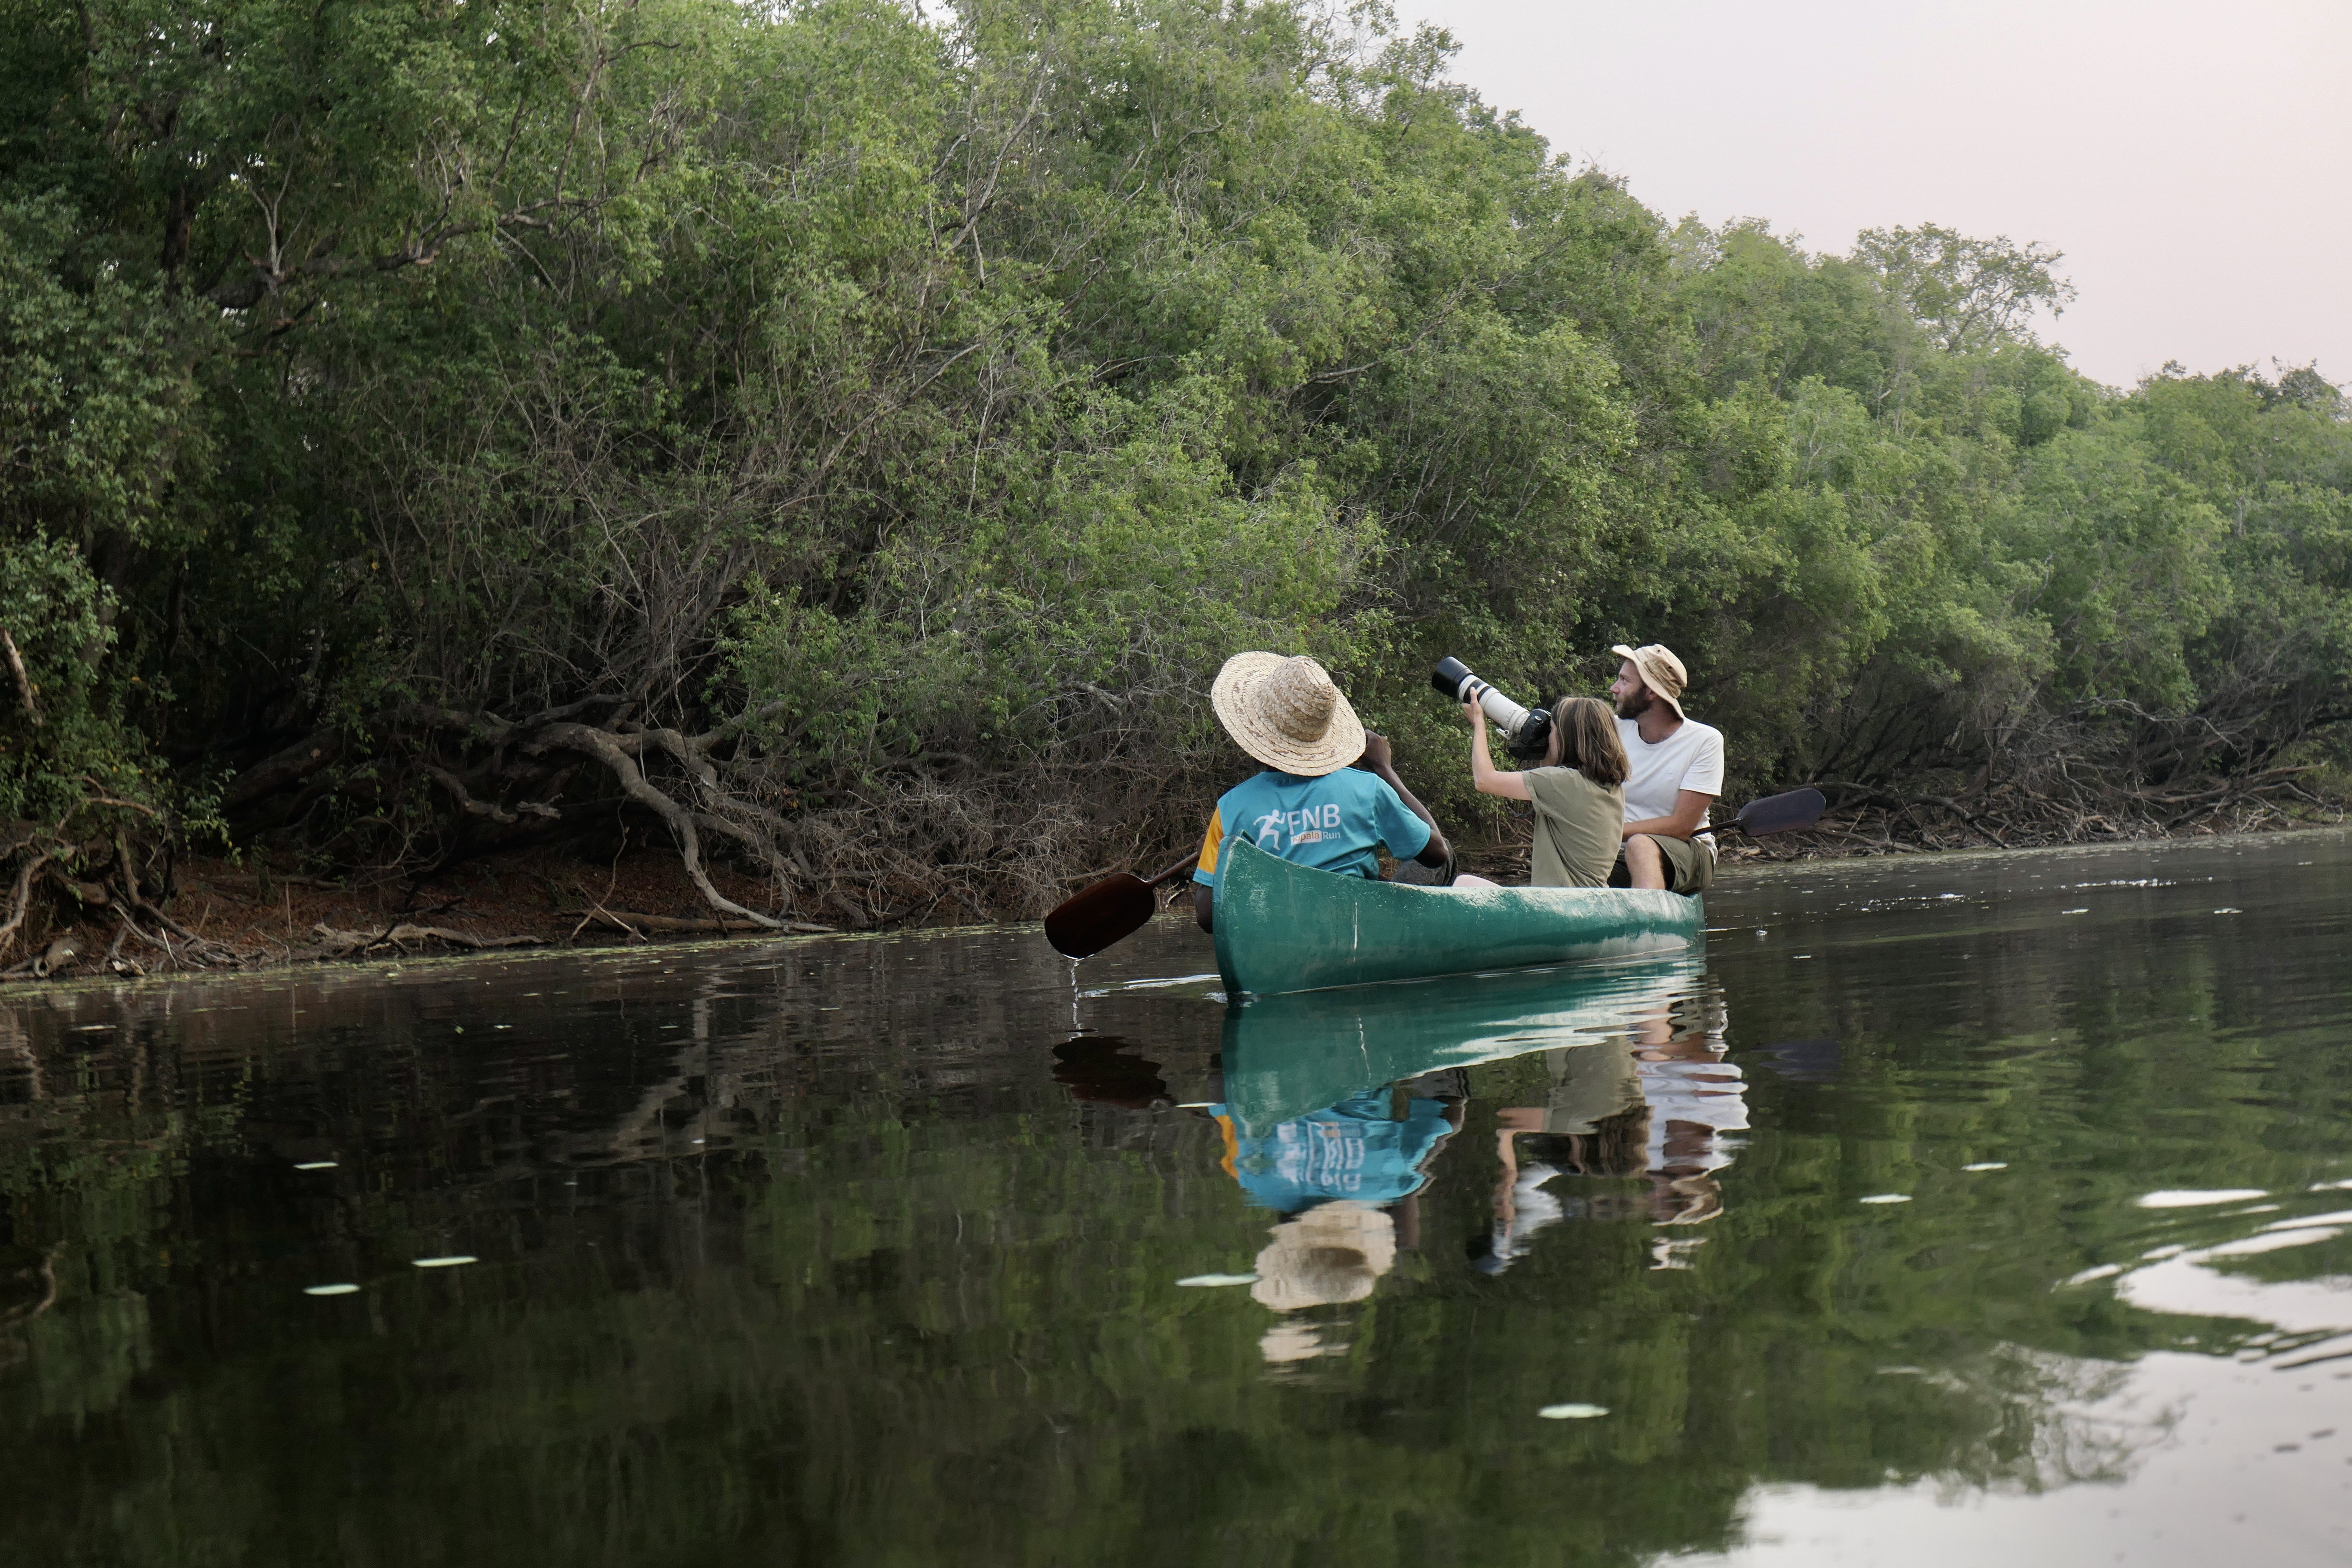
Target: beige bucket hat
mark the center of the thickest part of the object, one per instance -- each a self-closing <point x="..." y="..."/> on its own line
<point x="1333" y="1253"/>
<point x="1660" y="671"/>
<point x="1286" y="713"/>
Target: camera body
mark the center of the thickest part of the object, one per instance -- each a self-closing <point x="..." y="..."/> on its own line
<point x="1528" y="730"/>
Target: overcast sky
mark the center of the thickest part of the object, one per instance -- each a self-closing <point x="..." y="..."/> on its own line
<point x="2194" y="162"/>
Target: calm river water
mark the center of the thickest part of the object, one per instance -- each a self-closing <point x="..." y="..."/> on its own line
<point x="1979" y="1210"/>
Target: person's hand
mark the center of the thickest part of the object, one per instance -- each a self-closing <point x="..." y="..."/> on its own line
<point x="1376" y="757"/>
<point x="1475" y="714"/>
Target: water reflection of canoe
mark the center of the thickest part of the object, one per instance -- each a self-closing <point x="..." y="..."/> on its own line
<point x="1287" y="1056"/>
<point x="1282" y="927"/>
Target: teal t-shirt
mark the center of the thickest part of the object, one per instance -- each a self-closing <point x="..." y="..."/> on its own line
<point x="1332" y="823"/>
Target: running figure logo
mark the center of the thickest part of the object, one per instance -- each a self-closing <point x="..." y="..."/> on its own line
<point x="1304" y="827"/>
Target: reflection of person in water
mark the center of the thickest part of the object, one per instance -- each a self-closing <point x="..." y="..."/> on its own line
<point x="1346" y="1180"/>
<point x="1695" y="1098"/>
<point x="1593" y="1122"/>
<point x="1333" y="1253"/>
<point x="1371" y="1148"/>
<point x="1658" y="1104"/>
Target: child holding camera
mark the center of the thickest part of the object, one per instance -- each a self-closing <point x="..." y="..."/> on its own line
<point x="1578" y="792"/>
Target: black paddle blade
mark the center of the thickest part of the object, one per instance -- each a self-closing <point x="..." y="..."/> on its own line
<point x="1781" y="812"/>
<point x="1086" y="923"/>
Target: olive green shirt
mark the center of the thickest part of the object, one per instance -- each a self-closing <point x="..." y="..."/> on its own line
<point x="1579" y="826"/>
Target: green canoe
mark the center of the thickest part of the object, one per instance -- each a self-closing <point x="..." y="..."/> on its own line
<point x="1286" y="1056"/>
<point x="1282" y="927"/>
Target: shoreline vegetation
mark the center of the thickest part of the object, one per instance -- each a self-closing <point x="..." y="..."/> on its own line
<point x="827" y="452"/>
<point x="241" y="921"/>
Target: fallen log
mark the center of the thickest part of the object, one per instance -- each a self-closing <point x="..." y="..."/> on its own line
<point x="334" y="944"/>
<point x="637" y="924"/>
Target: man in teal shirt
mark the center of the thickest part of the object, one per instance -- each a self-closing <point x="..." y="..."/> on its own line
<point x="1311" y="806"/>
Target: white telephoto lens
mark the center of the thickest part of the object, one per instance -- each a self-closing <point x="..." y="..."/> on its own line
<point x="1506" y="714"/>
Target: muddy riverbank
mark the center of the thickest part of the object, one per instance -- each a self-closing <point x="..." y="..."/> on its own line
<point x="227" y="916"/>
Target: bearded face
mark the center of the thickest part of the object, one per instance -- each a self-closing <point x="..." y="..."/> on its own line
<point x="1632" y="694"/>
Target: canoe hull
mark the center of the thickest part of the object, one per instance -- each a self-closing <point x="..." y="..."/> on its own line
<point x="1282" y="927"/>
<point x="1287" y="1056"/>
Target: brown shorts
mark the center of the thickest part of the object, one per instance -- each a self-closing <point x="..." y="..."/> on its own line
<point x="1690" y="864"/>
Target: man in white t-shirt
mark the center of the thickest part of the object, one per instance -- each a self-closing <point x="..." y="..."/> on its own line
<point x="1677" y="766"/>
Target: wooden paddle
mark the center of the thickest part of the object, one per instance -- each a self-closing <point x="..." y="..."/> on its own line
<point x="1116" y="906"/>
<point x="1775" y="814"/>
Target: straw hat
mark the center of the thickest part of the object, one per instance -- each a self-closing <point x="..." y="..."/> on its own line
<point x="1660" y="671"/>
<point x="1286" y="713"/>
<point x="1335" y="1253"/>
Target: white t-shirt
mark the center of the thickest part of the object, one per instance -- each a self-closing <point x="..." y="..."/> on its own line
<point x="1691" y="758"/>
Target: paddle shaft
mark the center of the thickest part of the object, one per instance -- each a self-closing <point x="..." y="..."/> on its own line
<point x="1191" y="860"/>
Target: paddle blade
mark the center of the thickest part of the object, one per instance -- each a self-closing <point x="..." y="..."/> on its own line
<point x="1086" y="923"/>
<point x="1781" y="812"/>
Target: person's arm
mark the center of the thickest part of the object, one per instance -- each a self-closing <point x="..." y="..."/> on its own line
<point x="1690" y="810"/>
<point x="1377" y="762"/>
<point x="1509" y="1125"/>
<point x="1204" y="894"/>
<point x="1488" y="778"/>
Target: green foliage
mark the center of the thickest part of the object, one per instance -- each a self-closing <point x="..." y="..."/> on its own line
<point x="1133" y="562"/>
<point x="103" y="420"/>
<point x="56" y="728"/>
<point x="98" y="427"/>
<point x="932" y="407"/>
